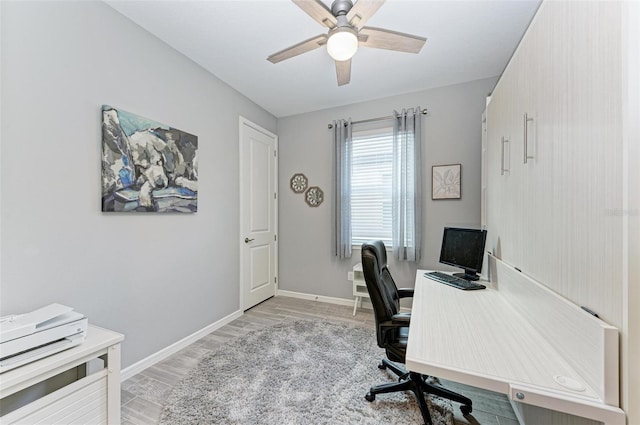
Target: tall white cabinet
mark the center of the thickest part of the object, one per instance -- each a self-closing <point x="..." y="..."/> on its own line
<point x="555" y="160"/>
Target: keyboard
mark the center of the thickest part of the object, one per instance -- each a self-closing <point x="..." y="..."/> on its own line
<point x="454" y="281"/>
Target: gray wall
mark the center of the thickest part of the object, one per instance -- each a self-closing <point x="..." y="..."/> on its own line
<point x="452" y="134"/>
<point x="155" y="278"/>
<point x="159" y="278"/>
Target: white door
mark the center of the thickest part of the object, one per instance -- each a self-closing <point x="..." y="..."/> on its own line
<point x="258" y="214"/>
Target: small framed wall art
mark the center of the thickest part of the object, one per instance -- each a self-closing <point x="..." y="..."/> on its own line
<point x="314" y="196"/>
<point x="445" y="181"/>
<point x="298" y="183"/>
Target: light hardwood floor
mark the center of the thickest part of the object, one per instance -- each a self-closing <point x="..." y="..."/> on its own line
<point x="144" y="393"/>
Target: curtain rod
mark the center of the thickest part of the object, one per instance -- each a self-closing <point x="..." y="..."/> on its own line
<point x="330" y="126"/>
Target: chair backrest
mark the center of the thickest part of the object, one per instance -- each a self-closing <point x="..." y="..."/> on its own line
<point x="382" y="289"/>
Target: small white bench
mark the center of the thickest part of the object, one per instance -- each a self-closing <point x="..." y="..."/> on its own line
<point x="359" y="287"/>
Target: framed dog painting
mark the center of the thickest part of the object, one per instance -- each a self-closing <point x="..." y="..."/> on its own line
<point x="147" y="166"/>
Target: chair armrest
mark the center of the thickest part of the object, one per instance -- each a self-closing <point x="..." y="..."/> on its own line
<point x="405" y="292"/>
<point x="402" y="319"/>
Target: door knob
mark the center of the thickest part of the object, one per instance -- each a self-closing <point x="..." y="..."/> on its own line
<point x="247" y="240"/>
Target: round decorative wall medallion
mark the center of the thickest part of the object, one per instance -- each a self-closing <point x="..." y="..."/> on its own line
<point x="314" y="196"/>
<point x="298" y="183"/>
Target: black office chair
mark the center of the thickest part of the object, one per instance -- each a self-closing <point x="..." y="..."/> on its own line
<point x="392" y="330"/>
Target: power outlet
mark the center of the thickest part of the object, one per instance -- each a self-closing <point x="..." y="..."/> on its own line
<point x="349" y="275"/>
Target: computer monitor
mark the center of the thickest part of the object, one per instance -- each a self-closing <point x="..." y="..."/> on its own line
<point x="463" y="248"/>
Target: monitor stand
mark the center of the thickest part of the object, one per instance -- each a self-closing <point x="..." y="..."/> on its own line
<point x="467" y="276"/>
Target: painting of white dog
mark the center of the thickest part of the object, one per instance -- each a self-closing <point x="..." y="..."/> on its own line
<point x="147" y="166"/>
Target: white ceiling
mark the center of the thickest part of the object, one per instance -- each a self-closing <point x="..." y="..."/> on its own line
<point x="466" y="40"/>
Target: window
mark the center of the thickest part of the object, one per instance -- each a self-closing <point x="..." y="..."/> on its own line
<point x="371" y="186"/>
<point x="378" y="186"/>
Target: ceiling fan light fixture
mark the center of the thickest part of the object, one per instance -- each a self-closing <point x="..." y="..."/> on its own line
<point x="342" y="43"/>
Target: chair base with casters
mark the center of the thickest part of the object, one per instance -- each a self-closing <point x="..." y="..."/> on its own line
<point x="416" y="383"/>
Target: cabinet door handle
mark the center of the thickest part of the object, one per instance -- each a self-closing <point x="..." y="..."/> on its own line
<point x="526" y="138"/>
<point x="502" y="169"/>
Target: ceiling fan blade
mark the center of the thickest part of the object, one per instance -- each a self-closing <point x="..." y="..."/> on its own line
<point x="343" y="71"/>
<point x="391" y="40"/>
<point x="318" y="11"/>
<point x="298" y="49"/>
<point x="362" y="11"/>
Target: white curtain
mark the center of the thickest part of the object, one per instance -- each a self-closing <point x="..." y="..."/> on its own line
<point x="407" y="185"/>
<point x="342" y="187"/>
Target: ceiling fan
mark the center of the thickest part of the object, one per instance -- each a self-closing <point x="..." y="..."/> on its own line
<point x="346" y="22"/>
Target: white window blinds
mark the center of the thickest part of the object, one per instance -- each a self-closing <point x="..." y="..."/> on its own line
<point x="371" y="185"/>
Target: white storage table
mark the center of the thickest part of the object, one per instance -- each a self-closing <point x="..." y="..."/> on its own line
<point x="78" y="385"/>
<point x="359" y="287"/>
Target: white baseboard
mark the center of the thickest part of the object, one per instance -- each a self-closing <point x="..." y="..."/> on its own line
<point x="158" y="356"/>
<point x="320" y="298"/>
<point x="365" y="303"/>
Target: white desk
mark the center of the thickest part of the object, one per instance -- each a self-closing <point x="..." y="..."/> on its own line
<point x="484" y="339"/>
<point x="92" y="397"/>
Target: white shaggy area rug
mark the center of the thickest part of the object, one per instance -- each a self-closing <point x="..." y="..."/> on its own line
<point x="301" y="372"/>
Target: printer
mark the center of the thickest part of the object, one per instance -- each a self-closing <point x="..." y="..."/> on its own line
<point x="27" y="337"/>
